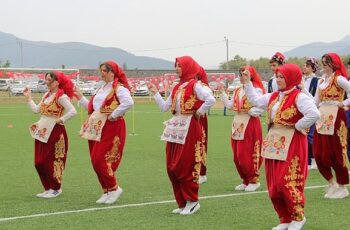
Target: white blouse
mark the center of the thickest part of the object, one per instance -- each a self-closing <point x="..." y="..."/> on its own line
<point x="255" y="112"/>
<point x="63" y="100"/>
<point x="304" y="103"/>
<point x="202" y="92"/>
<point x="123" y="94"/>
<point x="324" y="82"/>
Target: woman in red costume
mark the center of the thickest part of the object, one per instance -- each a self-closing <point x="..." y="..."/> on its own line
<point x="246" y="135"/>
<point x="202" y="78"/>
<point x="332" y="132"/>
<point x="105" y="128"/>
<point x="290" y="113"/>
<point x="51" y="141"/>
<point x="188" y="101"/>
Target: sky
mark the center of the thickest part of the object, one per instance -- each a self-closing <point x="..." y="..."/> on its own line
<point x="168" y="29"/>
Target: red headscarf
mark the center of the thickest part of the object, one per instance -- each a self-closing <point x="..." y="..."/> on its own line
<point x="189" y="68"/>
<point x="255" y="77"/>
<point x="338" y="64"/>
<point x="202" y="75"/>
<point x="65" y="85"/>
<point x="119" y="75"/>
<point x="292" y="75"/>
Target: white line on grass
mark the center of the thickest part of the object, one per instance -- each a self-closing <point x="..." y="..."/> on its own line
<point x="135" y="205"/>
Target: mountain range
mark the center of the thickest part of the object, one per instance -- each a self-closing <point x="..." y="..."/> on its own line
<point x="41" y="54"/>
<point x="317" y="49"/>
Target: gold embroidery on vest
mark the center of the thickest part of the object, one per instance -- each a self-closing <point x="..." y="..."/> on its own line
<point x="289" y="113"/>
<point x="332" y="92"/>
<point x="293" y="180"/>
<point x="173" y="102"/>
<point x="190" y="102"/>
<point x="108" y="109"/>
<point x="279" y="114"/>
<point x="198" y="159"/>
<point x="342" y="133"/>
<point x="112" y="155"/>
<point x="270" y="110"/>
<point x="51" y="109"/>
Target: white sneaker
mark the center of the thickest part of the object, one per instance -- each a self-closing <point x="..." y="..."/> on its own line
<point x="240" y="187"/>
<point x="297" y="225"/>
<point x="202" y="179"/>
<point x="252" y="187"/>
<point x="283" y="226"/>
<point x="41" y="195"/>
<point x="313" y="164"/>
<point x="190" y="208"/>
<point x="339" y="193"/>
<point x="113" y="196"/>
<point x="52" y="193"/>
<point x="102" y="199"/>
<point x="331" y="188"/>
<point x="177" y="210"/>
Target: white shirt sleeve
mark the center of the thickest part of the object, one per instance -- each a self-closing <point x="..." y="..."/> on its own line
<point x="343" y="83"/>
<point x="126" y="102"/>
<point x="204" y="94"/>
<point x="84" y="102"/>
<point x="34" y="107"/>
<point x="260" y="101"/>
<point x="68" y="107"/>
<point x="308" y="108"/>
<point x="227" y="103"/>
<point x="164" y="105"/>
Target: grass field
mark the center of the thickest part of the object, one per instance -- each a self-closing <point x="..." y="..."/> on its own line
<point x="147" y="200"/>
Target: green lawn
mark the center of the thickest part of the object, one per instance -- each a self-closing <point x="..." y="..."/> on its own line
<point x="143" y="177"/>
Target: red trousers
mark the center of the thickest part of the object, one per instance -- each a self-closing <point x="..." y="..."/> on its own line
<point x="184" y="163"/>
<point x="247" y="152"/>
<point x="204" y="122"/>
<point x="286" y="180"/>
<point x="330" y="151"/>
<point x="50" y="158"/>
<point x="107" y="153"/>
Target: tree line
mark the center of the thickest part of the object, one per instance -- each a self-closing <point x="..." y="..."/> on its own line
<point x="263" y="63"/>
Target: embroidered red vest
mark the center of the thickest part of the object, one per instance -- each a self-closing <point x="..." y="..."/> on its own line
<point x="189" y="102"/>
<point x="242" y="105"/>
<point x="110" y="103"/>
<point x="332" y="92"/>
<point x="287" y="113"/>
<point x="51" y="109"/>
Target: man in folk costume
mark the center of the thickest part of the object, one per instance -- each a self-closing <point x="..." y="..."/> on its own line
<point x="105" y="128"/>
<point x="330" y="137"/>
<point x="51" y="141"/>
<point x="183" y="133"/>
<point x="246" y="139"/>
<point x="276" y="60"/>
<point x="203" y="79"/>
<point x="290" y="113"/>
<point x="310" y="82"/>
